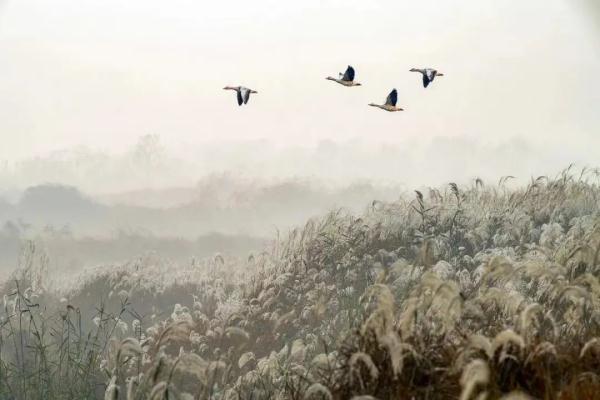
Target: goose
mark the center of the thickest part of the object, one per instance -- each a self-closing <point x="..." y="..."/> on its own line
<point x="243" y="93"/>
<point x="429" y="74"/>
<point x="346" y="79"/>
<point x="390" y="102"/>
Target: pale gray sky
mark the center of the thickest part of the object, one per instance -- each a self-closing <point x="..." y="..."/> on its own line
<point x="101" y="73"/>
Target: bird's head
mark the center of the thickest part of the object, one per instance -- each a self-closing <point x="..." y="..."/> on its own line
<point x="253" y="91"/>
<point x="439" y="74"/>
<point x="358" y="84"/>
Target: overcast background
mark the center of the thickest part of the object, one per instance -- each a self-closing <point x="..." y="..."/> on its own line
<point x="117" y="139"/>
<point x="102" y="73"/>
<point x="113" y="118"/>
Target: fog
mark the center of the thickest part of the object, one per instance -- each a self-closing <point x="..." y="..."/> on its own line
<point x="159" y="241"/>
<point x="164" y="176"/>
<point x="103" y="73"/>
<point x="115" y="128"/>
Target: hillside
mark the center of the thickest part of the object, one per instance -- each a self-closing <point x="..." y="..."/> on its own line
<point x="475" y="292"/>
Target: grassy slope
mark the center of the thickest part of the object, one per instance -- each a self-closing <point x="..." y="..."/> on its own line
<point x="468" y="292"/>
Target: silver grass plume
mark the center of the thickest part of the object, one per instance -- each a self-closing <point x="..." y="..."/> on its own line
<point x="132" y="386"/>
<point x="505" y="338"/>
<point x="527" y="320"/>
<point x="179" y="330"/>
<point x="236" y="333"/>
<point x="317" y="390"/>
<point x="542" y="349"/>
<point x="158" y="391"/>
<point x="592" y="345"/>
<point x="516" y="395"/>
<point x="112" y="390"/>
<point x="381" y="319"/>
<point x="365" y="359"/>
<point x="476" y="375"/>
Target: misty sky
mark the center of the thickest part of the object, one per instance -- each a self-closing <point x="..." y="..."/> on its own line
<point x="101" y="73"/>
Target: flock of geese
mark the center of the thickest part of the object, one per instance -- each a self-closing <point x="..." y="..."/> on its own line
<point x="347" y="79"/>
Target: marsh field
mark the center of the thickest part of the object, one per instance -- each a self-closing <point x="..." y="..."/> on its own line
<point x="484" y="290"/>
<point x="299" y="200"/>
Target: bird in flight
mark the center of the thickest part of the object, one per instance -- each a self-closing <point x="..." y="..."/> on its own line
<point x="243" y="93"/>
<point x="346" y="79"/>
<point x="390" y="102"/>
<point x="429" y="74"/>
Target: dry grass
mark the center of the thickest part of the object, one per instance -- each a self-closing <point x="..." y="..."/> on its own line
<point x="477" y="292"/>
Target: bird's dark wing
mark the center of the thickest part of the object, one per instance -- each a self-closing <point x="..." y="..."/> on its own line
<point x="246" y="96"/>
<point x="426" y="80"/>
<point x="349" y="74"/>
<point x="239" y="97"/>
<point x="392" y="98"/>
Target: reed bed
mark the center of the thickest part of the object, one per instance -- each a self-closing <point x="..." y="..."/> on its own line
<point x="462" y="292"/>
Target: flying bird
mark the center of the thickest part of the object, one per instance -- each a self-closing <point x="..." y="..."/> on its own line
<point x="429" y="74"/>
<point x="243" y="93"/>
<point x="346" y="79"/>
<point x="390" y="102"/>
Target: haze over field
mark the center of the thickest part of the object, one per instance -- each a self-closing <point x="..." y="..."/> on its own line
<point x="121" y="103"/>
<point x="158" y="241"/>
<point x="102" y="74"/>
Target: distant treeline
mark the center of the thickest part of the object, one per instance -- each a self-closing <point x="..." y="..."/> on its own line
<point x="218" y="204"/>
